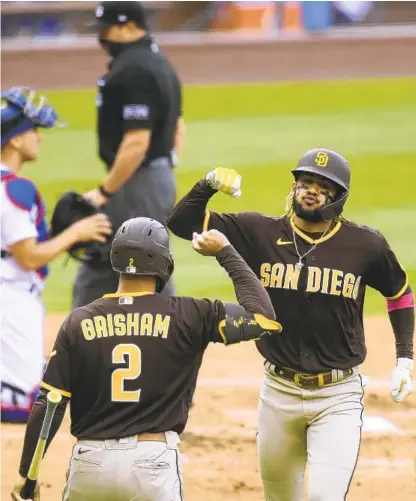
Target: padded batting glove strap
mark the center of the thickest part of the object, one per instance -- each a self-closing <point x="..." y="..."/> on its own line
<point x="227" y="181"/>
<point x="241" y="325"/>
<point x="402" y="384"/>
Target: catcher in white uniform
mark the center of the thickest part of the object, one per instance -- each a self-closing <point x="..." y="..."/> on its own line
<point x="26" y="250"/>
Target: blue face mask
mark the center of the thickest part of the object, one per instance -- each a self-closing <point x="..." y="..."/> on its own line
<point x="41" y="114"/>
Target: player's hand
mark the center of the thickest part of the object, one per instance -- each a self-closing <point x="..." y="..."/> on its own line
<point x="209" y="243"/>
<point x="96" y="197"/>
<point x="227" y="181"/>
<point x="20" y="482"/>
<point x="92" y="228"/>
<point x="402" y="384"/>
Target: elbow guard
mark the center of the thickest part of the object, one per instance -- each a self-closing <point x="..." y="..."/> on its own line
<point x="240" y="325"/>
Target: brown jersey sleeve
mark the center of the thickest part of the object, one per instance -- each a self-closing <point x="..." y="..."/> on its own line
<point x="58" y="375"/>
<point x="199" y="321"/>
<point x="237" y="227"/>
<point x="189" y="213"/>
<point x="385" y="273"/>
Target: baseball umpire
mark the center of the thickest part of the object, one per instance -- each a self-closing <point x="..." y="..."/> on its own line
<point x="315" y="266"/>
<point x="140" y="130"/>
<point x="27" y="248"/>
<point x="129" y="361"/>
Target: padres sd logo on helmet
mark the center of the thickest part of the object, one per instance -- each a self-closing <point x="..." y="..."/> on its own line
<point x="321" y="159"/>
<point x="330" y="165"/>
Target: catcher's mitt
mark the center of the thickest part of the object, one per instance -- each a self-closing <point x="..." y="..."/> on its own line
<point x="70" y="208"/>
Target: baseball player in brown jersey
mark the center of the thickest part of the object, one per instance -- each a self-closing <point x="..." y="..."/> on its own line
<point x="315" y="265"/>
<point x="128" y="362"/>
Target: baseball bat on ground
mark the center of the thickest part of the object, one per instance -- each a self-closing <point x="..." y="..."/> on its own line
<point x="28" y="488"/>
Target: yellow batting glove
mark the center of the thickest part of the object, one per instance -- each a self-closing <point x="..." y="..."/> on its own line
<point x="225" y="180"/>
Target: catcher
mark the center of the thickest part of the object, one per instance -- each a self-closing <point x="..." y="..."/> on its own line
<point x="27" y="247"/>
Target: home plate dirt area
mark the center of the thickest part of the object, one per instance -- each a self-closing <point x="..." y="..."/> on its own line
<point x="219" y="447"/>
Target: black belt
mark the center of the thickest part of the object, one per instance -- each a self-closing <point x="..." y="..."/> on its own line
<point x="309" y="381"/>
<point x="5" y="254"/>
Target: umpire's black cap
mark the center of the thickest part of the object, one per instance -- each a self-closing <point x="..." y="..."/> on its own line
<point x="110" y="13"/>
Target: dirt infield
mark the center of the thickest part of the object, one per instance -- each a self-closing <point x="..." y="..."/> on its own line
<point x="219" y="443"/>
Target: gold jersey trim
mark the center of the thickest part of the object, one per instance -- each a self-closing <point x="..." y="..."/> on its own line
<point x="310" y="240"/>
<point x="401" y="291"/>
<point x="206" y="220"/>
<point x="129" y="294"/>
<point x="52" y="388"/>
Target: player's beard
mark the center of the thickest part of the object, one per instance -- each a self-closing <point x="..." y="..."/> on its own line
<point x="313" y="216"/>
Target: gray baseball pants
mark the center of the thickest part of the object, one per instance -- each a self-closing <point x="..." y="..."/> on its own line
<point x="150" y="192"/>
<point x="125" y="470"/>
<point x="320" y="428"/>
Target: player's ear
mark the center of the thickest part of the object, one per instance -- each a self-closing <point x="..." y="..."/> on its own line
<point x="16" y="142"/>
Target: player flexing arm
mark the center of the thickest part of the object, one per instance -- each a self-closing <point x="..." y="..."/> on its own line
<point x="385" y="274"/>
<point x="191" y="213"/>
<point x="252" y="318"/>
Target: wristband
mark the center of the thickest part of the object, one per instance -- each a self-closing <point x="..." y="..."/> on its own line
<point x="103" y="192"/>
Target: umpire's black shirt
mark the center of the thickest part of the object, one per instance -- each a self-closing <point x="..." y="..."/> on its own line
<point x="140" y="91"/>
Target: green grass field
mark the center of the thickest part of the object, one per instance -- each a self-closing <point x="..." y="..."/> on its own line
<point x="260" y="130"/>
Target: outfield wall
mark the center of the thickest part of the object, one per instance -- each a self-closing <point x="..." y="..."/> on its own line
<point x="222" y="58"/>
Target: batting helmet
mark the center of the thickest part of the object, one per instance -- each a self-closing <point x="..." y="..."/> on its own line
<point x="330" y="165"/>
<point x="23" y="109"/>
<point x="141" y="247"/>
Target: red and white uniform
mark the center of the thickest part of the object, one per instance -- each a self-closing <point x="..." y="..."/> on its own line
<point x="22" y="310"/>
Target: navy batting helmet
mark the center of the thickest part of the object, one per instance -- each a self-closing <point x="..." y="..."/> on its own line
<point x="330" y="165"/>
<point x="23" y="109"/>
<point x="141" y="247"/>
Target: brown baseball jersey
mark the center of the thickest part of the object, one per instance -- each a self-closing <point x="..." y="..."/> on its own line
<point x="129" y="362"/>
<point x="320" y="305"/>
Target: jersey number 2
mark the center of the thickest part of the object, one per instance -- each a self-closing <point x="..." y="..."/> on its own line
<point x="132" y="371"/>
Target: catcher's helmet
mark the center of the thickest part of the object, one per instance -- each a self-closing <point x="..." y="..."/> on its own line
<point x="330" y="165"/>
<point x="141" y="247"/>
<point x="23" y="109"/>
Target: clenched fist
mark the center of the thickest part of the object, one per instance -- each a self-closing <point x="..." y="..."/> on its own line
<point x="225" y="180"/>
<point x="209" y="243"/>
